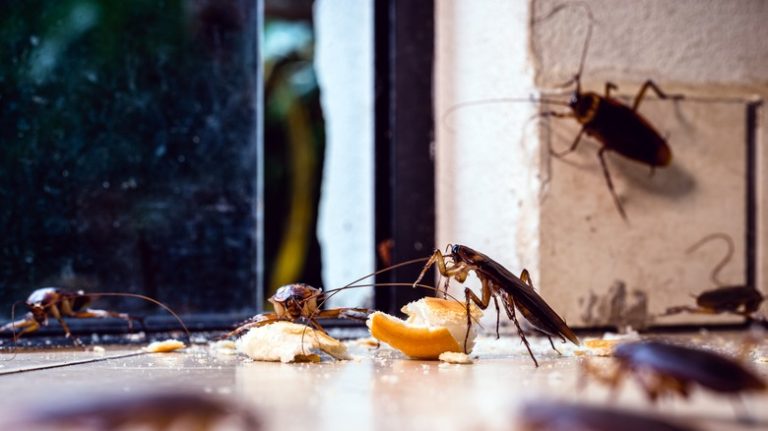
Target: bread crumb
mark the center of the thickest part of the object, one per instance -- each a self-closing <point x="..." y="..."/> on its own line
<point x="604" y="346"/>
<point x="289" y="342"/>
<point x="367" y="342"/>
<point x="164" y="346"/>
<point x="224" y="347"/>
<point x="455" y="358"/>
<point x="98" y="349"/>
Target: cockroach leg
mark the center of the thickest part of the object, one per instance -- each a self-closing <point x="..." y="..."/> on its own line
<point x="520" y="332"/>
<point x="652" y="85"/>
<point x="607" y="175"/>
<point x="483" y="303"/>
<point x="551" y="343"/>
<point x="608" y="87"/>
<point x="435" y="259"/>
<point x="26" y="326"/>
<point x="445" y="287"/>
<point x="575" y="143"/>
<point x="498" y="315"/>
<point x="56" y="314"/>
<point x="91" y="313"/>
<point x="570" y="149"/>
<point x="347" y="313"/>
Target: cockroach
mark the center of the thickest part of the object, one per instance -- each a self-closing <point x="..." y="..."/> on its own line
<point x="669" y="369"/>
<point x="499" y="284"/>
<point x="60" y="303"/>
<point x="734" y="299"/>
<point x="561" y="416"/>
<point x="616" y="126"/>
<point x="150" y="411"/>
<point x="739" y="300"/>
<point x="299" y="302"/>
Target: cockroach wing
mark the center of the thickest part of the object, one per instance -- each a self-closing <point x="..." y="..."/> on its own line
<point x="530" y="304"/>
<point x="626" y="132"/>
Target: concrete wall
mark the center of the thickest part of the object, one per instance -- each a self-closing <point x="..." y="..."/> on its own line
<point x="499" y="191"/>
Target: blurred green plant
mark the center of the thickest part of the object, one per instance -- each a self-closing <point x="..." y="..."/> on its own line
<point x="294" y="141"/>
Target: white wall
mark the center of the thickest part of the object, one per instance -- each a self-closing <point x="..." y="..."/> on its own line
<point x="487" y="156"/>
<point x="498" y="191"/>
<point x="344" y="62"/>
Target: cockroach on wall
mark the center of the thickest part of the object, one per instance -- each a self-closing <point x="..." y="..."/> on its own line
<point x="499" y="284"/>
<point x="616" y="126"/>
<point x="733" y="299"/>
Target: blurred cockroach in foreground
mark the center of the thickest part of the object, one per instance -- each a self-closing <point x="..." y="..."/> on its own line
<point x="59" y="303"/>
<point x="146" y="411"/>
<point x="560" y="416"/>
<point x="616" y="126"/>
<point x="668" y="369"/>
<point x="734" y="299"/>
<point x="500" y="285"/>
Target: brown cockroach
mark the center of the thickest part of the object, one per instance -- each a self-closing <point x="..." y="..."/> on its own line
<point x="616" y="126"/>
<point x="60" y="303"/>
<point x="668" y="369"/>
<point x="299" y="302"/>
<point x="148" y="411"/>
<point x="734" y="299"/>
<point x="500" y="284"/>
<point x="560" y="416"/>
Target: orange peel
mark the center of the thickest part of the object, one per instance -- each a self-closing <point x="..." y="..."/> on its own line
<point x="434" y="326"/>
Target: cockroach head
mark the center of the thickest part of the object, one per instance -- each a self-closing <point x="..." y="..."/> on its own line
<point x="464" y="254"/>
<point x="581" y="103"/>
<point x="38" y="312"/>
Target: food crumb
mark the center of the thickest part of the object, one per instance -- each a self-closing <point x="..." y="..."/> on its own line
<point x="455" y="358"/>
<point x="98" y="349"/>
<point x="225" y="347"/>
<point x="367" y="342"/>
<point x="164" y="346"/>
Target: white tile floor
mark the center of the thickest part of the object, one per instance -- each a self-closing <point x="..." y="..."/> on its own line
<point x="378" y="389"/>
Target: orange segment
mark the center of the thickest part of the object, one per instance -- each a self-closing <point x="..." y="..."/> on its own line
<point x="419" y="342"/>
